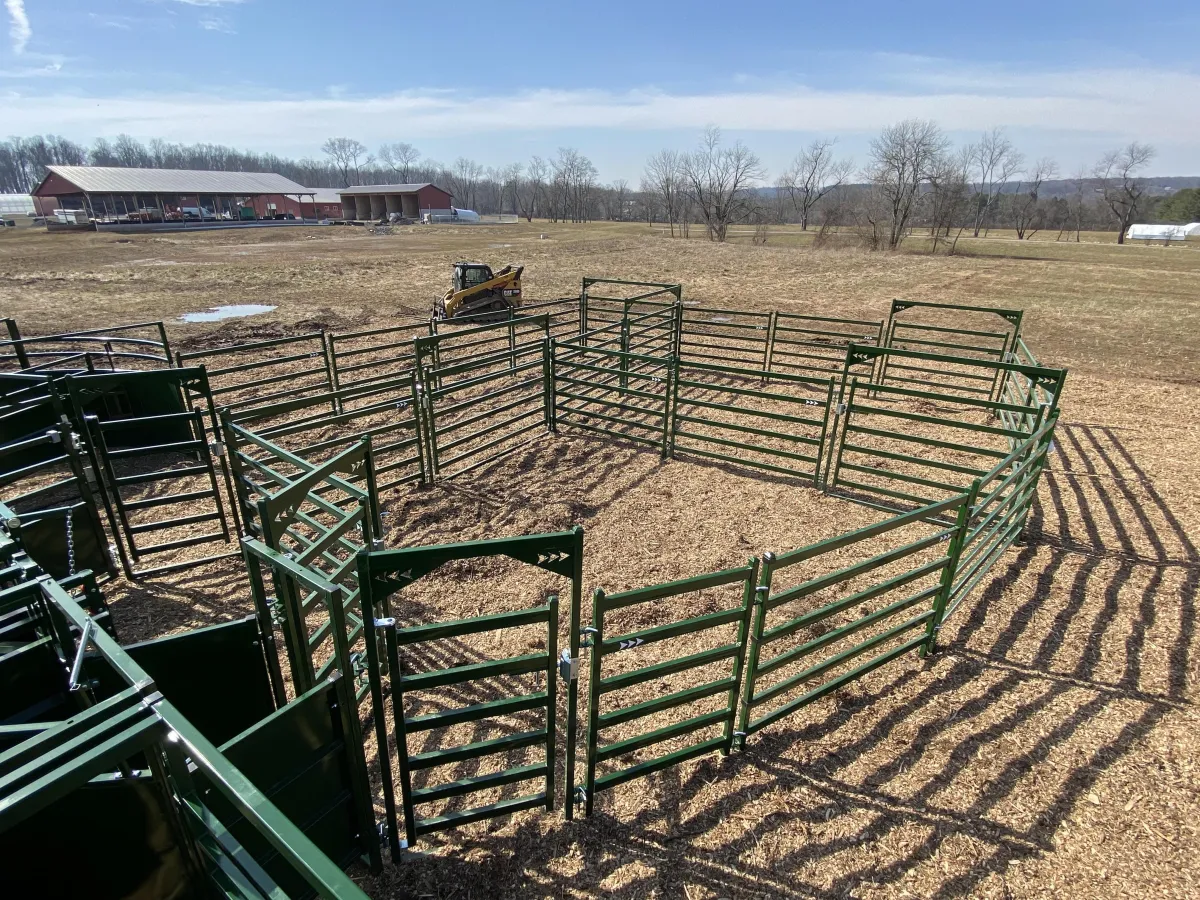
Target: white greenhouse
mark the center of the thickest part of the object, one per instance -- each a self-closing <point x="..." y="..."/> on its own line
<point x="1164" y="232"/>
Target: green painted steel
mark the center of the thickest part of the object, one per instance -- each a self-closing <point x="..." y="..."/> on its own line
<point x="726" y="336"/>
<point x="803" y="344"/>
<point x="150" y="465"/>
<point x="688" y="701"/>
<point x="481" y="393"/>
<point x="262" y="372"/>
<point x="143" y="345"/>
<point x="384" y="411"/>
<point x="50" y="506"/>
<point x="383" y="574"/>
<point x="614" y="393"/>
<point x="308" y="529"/>
<point x="880" y="622"/>
<point x="1000" y="503"/>
<point x="372" y="355"/>
<point x="952" y="341"/>
<point x="726" y="413"/>
<point x="232" y="838"/>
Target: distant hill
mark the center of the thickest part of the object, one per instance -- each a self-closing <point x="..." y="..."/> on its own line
<point x="1063" y="187"/>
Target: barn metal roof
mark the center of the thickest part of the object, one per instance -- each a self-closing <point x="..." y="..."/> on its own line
<point x="386" y="188"/>
<point x="322" y="195"/>
<point x="105" y="179"/>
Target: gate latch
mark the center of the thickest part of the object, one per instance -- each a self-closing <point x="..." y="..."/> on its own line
<point x="568" y="669"/>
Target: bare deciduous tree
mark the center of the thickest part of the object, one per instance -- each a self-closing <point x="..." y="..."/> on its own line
<point x="995" y="161"/>
<point x="572" y="185"/>
<point x="664" y="178"/>
<point x="813" y="174"/>
<point x="1122" y="190"/>
<point x="948" y="198"/>
<point x="903" y="158"/>
<point x="1027" y="214"/>
<point x="464" y="180"/>
<point x="719" y="180"/>
<point x="400" y="158"/>
<point x="347" y="155"/>
<point x="531" y="188"/>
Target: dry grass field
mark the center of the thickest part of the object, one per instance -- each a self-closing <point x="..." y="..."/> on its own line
<point x="1050" y="748"/>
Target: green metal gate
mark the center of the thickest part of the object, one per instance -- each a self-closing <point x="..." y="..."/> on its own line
<point x="382" y="574"/>
<point x="636" y="645"/>
<point x="149" y="464"/>
<point x="823" y="636"/>
<point x="611" y="392"/>
<point x="481" y="395"/>
<point x="727" y="414"/>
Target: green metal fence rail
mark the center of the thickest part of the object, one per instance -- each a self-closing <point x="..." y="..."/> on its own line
<point x="1000" y="503"/>
<point x="916" y="458"/>
<point x="309" y="527"/>
<point x="261" y="372"/>
<point x="382" y="574"/>
<point x="51" y="507"/>
<point x="909" y="457"/>
<point x="952" y="341"/>
<point x="142" y="345"/>
<point x="384" y="411"/>
<point x="150" y="464"/>
<point x="727" y="336"/>
<point x="229" y="836"/>
<point x="803" y="344"/>
<point x="725" y="413"/>
<point x="375" y="354"/>
<point x="687" y="701"/>
<point x="481" y="397"/>
<point x="612" y="393"/>
<point x="307" y="758"/>
<point x="598" y="311"/>
<point x="883" y="611"/>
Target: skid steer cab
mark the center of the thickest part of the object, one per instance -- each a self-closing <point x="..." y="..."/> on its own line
<point x="480" y="295"/>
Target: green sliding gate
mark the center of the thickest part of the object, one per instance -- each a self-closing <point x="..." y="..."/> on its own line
<point x="490" y="687"/>
<point x="807" y="638"/>
<point x="645" y="655"/>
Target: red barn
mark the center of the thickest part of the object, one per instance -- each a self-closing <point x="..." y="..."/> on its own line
<point x="377" y="201"/>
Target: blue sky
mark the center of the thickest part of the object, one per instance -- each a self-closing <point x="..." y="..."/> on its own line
<point x="618" y="80"/>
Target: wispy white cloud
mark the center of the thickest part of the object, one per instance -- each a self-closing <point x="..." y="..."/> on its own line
<point x="19" y="29"/>
<point x="216" y="23"/>
<point x="1090" y="109"/>
<point x="209" y="2"/>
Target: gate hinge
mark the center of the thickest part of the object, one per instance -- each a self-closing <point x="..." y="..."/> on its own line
<point x="217" y="448"/>
<point x="841" y="409"/>
<point x="55" y="436"/>
<point x="278" y="616"/>
<point x="579" y="795"/>
<point x="389" y="622"/>
<point x="568" y="669"/>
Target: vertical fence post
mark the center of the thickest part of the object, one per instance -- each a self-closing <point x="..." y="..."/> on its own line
<point x="761" y="592"/>
<point x="589" y="790"/>
<point x="335" y="402"/>
<point x="624" y="361"/>
<point x="548" y="392"/>
<point x="373" y="624"/>
<point x="769" y="352"/>
<point x="551" y="698"/>
<point x="825" y="435"/>
<point x="675" y="364"/>
<point x="667" y="416"/>
<point x="583" y="313"/>
<point x="942" y="597"/>
<point x="749" y="592"/>
<point x="512" y="340"/>
<point x="14" y="335"/>
<point x="837" y="436"/>
<point x="571" y="673"/>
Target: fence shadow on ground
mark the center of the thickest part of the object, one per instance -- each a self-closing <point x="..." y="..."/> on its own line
<point x="1076" y="649"/>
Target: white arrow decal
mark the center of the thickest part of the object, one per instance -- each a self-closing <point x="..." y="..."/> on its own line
<point x="629" y="645"/>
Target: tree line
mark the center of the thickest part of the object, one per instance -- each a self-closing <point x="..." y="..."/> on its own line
<point x="913" y="179"/>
